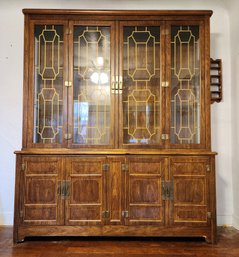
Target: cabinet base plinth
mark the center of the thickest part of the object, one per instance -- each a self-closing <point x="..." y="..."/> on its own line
<point x="112" y="231"/>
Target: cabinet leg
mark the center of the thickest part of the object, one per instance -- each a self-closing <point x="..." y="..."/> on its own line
<point x="211" y="239"/>
<point x="17" y="239"/>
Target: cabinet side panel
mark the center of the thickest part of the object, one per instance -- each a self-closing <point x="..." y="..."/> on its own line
<point x="17" y="205"/>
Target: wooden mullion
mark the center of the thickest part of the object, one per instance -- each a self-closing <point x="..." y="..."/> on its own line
<point x="207" y="96"/>
<point x="70" y="90"/>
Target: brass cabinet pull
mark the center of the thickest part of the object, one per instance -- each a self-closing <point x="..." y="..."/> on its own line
<point x="120" y="84"/>
<point x="113" y="85"/>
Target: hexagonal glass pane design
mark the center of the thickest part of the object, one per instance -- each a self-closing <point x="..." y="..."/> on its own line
<point x="48" y="90"/>
<point x="91" y="85"/>
<point x="141" y="85"/>
<point x="185" y="85"/>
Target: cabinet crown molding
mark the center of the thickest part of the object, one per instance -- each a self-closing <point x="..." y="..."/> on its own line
<point x="118" y="12"/>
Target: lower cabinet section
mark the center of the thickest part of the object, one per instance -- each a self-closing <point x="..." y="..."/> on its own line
<point x="143" y="195"/>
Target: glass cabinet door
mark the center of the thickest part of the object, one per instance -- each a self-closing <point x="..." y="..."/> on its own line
<point x="92" y="104"/>
<point x="141" y="71"/>
<point x="185" y="85"/>
<point x="48" y="56"/>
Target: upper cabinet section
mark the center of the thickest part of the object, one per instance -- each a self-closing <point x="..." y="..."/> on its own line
<point x="116" y="79"/>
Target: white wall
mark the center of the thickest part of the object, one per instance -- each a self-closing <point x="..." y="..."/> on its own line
<point x="11" y="68"/>
<point x="233" y="7"/>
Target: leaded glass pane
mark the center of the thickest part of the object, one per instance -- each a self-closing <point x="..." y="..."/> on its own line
<point x="48" y="89"/>
<point x="91" y="97"/>
<point x="141" y="85"/>
<point x="185" y="85"/>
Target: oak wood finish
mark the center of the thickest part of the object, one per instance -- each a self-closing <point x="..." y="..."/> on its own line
<point x="41" y="203"/>
<point x="145" y="203"/>
<point x="86" y="199"/>
<point x="118" y="189"/>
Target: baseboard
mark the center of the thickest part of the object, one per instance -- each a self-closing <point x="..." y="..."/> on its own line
<point x="6" y="218"/>
<point x="224" y="220"/>
<point x="235" y="221"/>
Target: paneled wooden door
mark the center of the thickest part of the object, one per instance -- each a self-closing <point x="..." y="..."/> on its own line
<point x="91" y="100"/>
<point x="141" y="84"/>
<point x="191" y="196"/>
<point x="144" y="194"/>
<point x="86" y="199"/>
<point x="41" y="199"/>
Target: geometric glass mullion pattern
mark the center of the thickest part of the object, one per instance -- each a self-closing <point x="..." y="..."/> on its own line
<point x="141" y="85"/>
<point x="91" y="97"/>
<point x="185" y="85"/>
<point x="48" y="90"/>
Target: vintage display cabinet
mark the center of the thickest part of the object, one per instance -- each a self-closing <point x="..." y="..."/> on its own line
<point x="116" y="126"/>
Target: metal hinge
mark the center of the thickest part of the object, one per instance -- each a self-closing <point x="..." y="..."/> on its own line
<point x="165" y="136"/>
<point x="165" y="84"/>
<point x="68" y="136"/>
<point x="105" y="214"/>
<point x="209" y="215"/>
<point x="125" y="214"/>
<point x="208" y="168"/>
<point x="125" y="167"/>
<point x="105" y="167"/>
<point x="167" y="190"/>
<point x="68" y="83"/>
<point x="23" y="167"/>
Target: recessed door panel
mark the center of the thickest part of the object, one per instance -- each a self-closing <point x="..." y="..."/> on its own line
<point x="86" y="200"/>
<point x="144" y="191"/>
<point x="42" y="203"/>
<point x="191" y="191"/>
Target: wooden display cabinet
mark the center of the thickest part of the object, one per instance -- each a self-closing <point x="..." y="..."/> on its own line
<point x="116" y="128"/>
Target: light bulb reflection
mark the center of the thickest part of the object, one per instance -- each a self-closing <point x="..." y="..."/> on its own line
<point x="100" y="60"/>
<point x="99" y="78"/>
<point x="104" y="78"/>
<point x="95" y="77"/>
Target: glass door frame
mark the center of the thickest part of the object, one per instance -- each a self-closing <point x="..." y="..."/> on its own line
<point x="29" y="100"/>
<point x="203" y="81"/>
<point x="149" y="23"/>
<point x="113" y="111"/>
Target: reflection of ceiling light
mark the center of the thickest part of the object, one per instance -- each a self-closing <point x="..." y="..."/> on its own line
<point x="99" y="78"/>
<point x="104" y="78"/>
<point x="95" y="77"/>
<point x="100" y="61"/>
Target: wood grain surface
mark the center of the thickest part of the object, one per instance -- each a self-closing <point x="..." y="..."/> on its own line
<point x="227" y="246"/>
